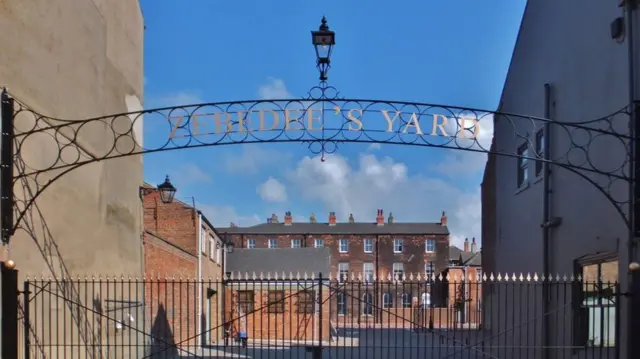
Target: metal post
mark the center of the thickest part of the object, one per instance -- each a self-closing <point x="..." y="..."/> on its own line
<point x="26" y="321"/>
<point x="6" y="167"/>
<point x="317" y="350"/>
<point x="9" y="322"/>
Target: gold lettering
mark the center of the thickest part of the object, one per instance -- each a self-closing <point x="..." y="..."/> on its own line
<point x="244" y="120"/>
<point x="311" y="119"/>
<point x="196" y="125"/>
<point x="288" y="119"/>
<point x="390" y="120"/>
<point x="464" y="128"/>
<point x="436" y="125"/>
<point x="276" y="120"/>
<point x="356" y="120"/>
<point x="226" y="121"/>
<point x="175" y="128"/>
<point x="414" y="122"/>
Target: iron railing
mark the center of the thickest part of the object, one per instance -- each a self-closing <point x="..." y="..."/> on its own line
<point x="299" y="316"/>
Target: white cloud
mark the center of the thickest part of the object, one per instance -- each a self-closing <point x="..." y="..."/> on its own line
<point x="272" y="190"/>
<point x="223" y="216"/>
<point x="457" y="162"/>
<point x="190" y="173"/>
<point x="251" y="158"/>
<point x="374" y="147"/>
<point x="274" y="89"/>
<point x="375" y="183"/>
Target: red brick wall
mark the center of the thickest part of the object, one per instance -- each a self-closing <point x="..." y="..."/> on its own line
<point x="170" y="298"/>
<point x="382" y="257"/>
<point x="262" y="325"/>
<point x="176" y="222"/>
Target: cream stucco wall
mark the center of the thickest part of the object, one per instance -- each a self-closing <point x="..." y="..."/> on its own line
<point x="75" y="59"/>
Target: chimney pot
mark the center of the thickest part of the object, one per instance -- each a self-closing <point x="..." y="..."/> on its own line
<point x="312" y="218"/>
<point x="288" y="219"/>
<point x="390" y="220"/>
<point x="443" y="219"/>
<point x="466" y="244"/>
<point x="351" y="219"/>
<point x="473" y="245"/>
<point x="380" y="218"/>
<point x="332" y="218"/>
<point x="274" y="218"/>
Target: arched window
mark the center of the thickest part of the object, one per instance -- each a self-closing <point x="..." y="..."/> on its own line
<point x="367" y="304"/>
<point x="406" y="300"/>
<point x="341" y="303"/>
<point x="425" y="300"/>
<point x="387" y="300"/>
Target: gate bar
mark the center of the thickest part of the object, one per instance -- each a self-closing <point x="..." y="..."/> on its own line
<point x="9" y="322"/>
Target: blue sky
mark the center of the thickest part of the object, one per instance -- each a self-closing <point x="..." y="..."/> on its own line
<point x="444" y="52"/>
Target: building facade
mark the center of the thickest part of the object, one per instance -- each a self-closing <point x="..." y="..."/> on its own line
<point x="379" y="254"/>
<point x="181" y="244"/>
<point x="568" y="65"/>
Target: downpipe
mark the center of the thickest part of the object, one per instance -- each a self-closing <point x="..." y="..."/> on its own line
<point x="199" y="276"/>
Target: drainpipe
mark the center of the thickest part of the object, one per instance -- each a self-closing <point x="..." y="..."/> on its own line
<point x="199" y="276"/>
<point x="375" y="284"/>
<point x="546" y="230"/>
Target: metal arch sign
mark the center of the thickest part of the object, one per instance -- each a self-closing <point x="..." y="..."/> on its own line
<point x="313" y="119"/>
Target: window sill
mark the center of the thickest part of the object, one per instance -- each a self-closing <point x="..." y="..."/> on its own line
<point x="522" y="188"/>
<point x="368" y="252"/>
<point x="430" y="252"/>
<point x="395" y="252"/>
<point x="341" y="252"/>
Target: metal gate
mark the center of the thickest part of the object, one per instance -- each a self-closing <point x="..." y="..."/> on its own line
<point x="310" y="316"/>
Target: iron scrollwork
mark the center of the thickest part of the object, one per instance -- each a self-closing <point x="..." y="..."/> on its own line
<point x="46" y="148"/>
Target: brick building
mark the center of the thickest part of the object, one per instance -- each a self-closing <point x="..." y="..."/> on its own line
<point x="373" y="254"/>
<point x="269" y="296"/>
<point x="182" y="245"/>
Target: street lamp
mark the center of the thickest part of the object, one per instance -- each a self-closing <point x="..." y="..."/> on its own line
<point x="323" y="40"/>
<point x="167" y="191"/>
<point x="229" y="246"/>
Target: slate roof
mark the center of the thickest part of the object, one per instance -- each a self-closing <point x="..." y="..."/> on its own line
<point x="294" y="260"/>
<point x="454" y="253"/>
<point x="471" y="259"/>
<point x="398" y="228"/>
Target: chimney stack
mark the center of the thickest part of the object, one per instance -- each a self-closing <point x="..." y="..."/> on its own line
<point x="443" y="219"/>
<point x="274" y="218"/>
<point x="390" y="219"/>
<point x="380" y="218"/>
<point x="466" y="244"/>
<point x="473" y="245"/>
<point x="332" y="218"/>
<point x="233" y="225"/>
<point x="312" y="218"/>
<point x="351" y="219"/>
<point x="288" y="219"/>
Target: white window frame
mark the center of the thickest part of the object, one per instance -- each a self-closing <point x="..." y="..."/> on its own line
<point x="212" y="248"/>
<point x="274" y="241"/>
<point x="429" y="242"/>
<point x="406" y="300"/>
<point x="387" y="301"/>
<point x="429" y="271"/>
<point x="395" y="267"/>
<point x="398" y="245"/>
<point x="318" y="243"/>
<point x="341" y="304"/>
<point x="368" y="272"/>
<point x="219" y="252"/>
<point x="341" y="268"/>
<point x="479" y="274"/>
<point x="368" y="245"/>
<point x="251" y="243"/>
<point x="203" y="241"/>
<point x="522" y="174"/>
<point x="346" y="244"/>
<point x="367" y="303"/>
<point x="298" y="241"/>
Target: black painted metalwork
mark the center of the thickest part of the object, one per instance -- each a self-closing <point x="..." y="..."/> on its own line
<point x="9" y="310"/>
<point x="6" y="167"/>
<point x="322" y="120"/>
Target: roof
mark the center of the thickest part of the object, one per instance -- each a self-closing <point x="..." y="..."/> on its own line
<point x="471" y="259"/>
<point x="454" y="253"/>
<point x="278" y="260"/>
<point x="340" y="228"/>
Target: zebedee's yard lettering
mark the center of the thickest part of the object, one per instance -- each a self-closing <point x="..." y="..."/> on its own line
<point x="310" y="119"/>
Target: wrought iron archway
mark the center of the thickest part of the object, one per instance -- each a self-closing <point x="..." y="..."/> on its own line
<point x="322" y="120"/>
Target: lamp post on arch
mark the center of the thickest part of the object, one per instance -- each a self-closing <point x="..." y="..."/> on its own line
<point x="167" y="191"/>
<point x="323" y="40"/>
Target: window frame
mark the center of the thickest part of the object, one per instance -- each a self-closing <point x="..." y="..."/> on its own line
<point x="387" y="300"/>
<point x="298" y="241"/>
<point x="251" y="243"/>
<point x="406" y="299"/>
<point x="367" y="242"/>
<point x="540" y="148"/>
<point x="316" y="241"/>
<point x="308" y="305"/>
<point x="340" y="242"/>
<point x="429" y="277"/>
<point x="203" y="241"/>
<point x="341" y="303"/>
<point x="368" y="278"/>
<point x="248" y="302"/>
<point x="426" y="245"/>
<point x="522" y="173"/>
<point x="367" y="304"/>
<point x="276" y="305"/>
<point x="397" y="241"/>
<point x="342" y="278"/>
<point x="581" y="312"/>
<point x="212" y="248"/>
<point x="275" y="241"/>
<point x="394" y="270"/>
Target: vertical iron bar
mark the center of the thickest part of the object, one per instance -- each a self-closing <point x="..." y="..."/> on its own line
<point x="26" y="320"/>
<point x="546" y="217"/>
<point x="6" y="166"/>
<point x="9" y="321"/>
